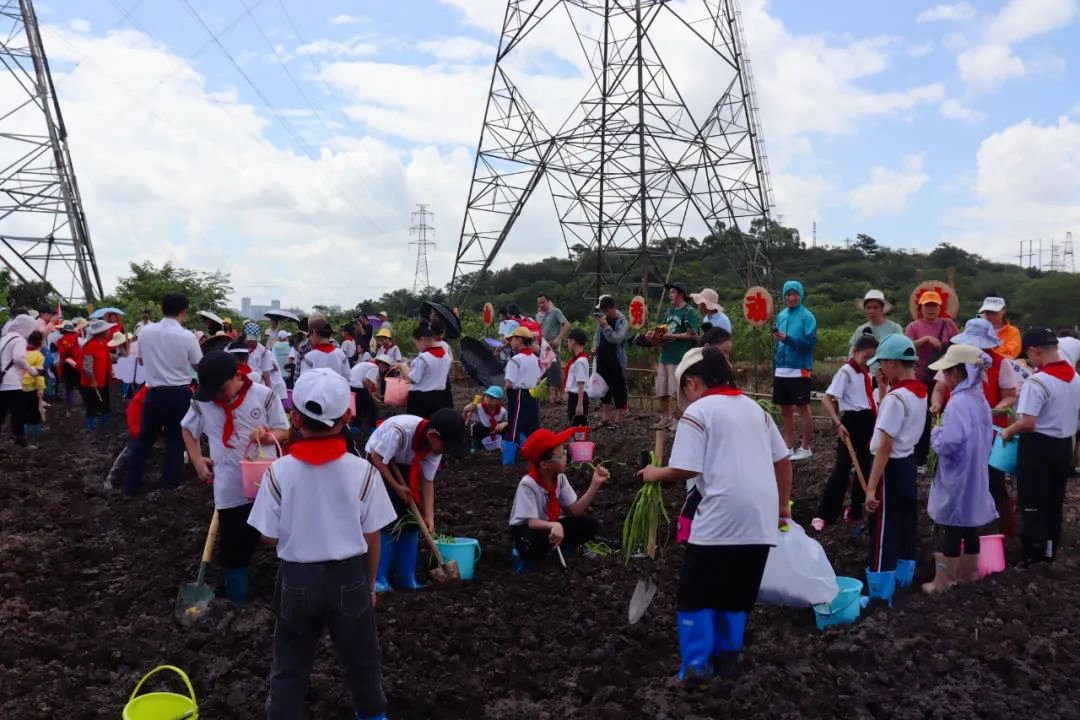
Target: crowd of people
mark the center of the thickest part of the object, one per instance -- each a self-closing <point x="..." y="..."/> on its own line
<point x="345" y="501"/>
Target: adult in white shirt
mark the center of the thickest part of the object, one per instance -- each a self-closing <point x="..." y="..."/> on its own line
<point x="167" y="353"/>
<point x="13" y="366"/>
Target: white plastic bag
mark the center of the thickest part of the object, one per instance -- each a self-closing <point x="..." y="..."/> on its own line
<point x="596" y="388"/>
<point x="797" y="574"/>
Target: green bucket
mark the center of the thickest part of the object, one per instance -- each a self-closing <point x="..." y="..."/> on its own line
<point x="162" y="705"/>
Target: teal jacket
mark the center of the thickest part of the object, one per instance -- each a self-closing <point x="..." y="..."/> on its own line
<point x="800" y="326"/>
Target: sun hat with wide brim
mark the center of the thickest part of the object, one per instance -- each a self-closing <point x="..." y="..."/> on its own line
<point x="383" y="332"/>
<point x="980" y="333"/>
<point x="887" y="307"/>
<point x="958" y="354"/>
<point x="99" y="326"/>
<point x="118" y="339"/>
<point x="68" y="327"/>
<point x="709" y="298"/>
<point x="521" y="332"/>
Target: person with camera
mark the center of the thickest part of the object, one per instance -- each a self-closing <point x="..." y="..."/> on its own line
<point x="609" y="348"/>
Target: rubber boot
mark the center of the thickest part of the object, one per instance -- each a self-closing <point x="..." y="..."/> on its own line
<point x="880" y="586"/>
<point x="405" y="552"/>
<point x="905" y="572"/>
<point x="236" y="582"/>
<point x="387" y="545"/>
<point x="104" y="420"/>
<point x="728" y="631"/>
<point x="518" y="562"/>
<point x="967" y="570"/>
<point x="90" y="422"/>
<point x="696" y="641"/>
<point x="944" y="574"/>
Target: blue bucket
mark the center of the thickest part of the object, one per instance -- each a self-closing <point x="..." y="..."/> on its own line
<point x="1003" y="455"/>
<point x="844" y="608"/>
<point x="464" y="551"/>
<point x="509" y="452"/>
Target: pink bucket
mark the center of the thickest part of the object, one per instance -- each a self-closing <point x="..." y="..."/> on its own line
<point x="252" y="471"/>
<point x="397" y="392"/>
<point x="352" y="404"/>
<point x="991" y="554"/>
<point x="582" y="452"/>
<point x="682" y="533"/>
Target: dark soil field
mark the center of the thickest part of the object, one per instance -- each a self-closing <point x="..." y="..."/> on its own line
<point x="88" y="583"/>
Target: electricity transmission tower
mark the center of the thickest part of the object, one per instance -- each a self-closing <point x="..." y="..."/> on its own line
<point x="43" y="232"/>
<point x="420" y="228"/>
<point x="635" y="164"/>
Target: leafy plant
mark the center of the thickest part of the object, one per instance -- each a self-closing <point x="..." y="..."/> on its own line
<point x="643" y="522"/>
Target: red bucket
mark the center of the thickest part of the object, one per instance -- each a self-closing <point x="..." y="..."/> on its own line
<point x="252" y="471"/>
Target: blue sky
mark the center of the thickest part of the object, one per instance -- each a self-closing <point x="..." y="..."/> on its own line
<point x="914" y="122"/>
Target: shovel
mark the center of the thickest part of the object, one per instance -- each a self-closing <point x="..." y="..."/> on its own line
<point x="194" y="598"/>
<point x="645" y="590"/>
<point x="855" y="462"/>
<point x="447" y="571"/>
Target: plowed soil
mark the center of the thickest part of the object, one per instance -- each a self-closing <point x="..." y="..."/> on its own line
<point x="88" y="584"/>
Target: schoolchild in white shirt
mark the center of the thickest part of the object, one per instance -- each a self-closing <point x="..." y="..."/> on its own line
<point x="407" y="451"/>
<point x="323" y="508"/>
<point x="323" y="353"/>
<point x="575" y="376"/>
<point x="239" y="350"/>
<point x="487" y="418"/>
<point x="741" y="462"/>
<point x="1048" y="409"/>
<point x="233" y="413"/>
<point x="438" y="328"/>
<point x="522" y="374"/>
<point x="852" y="389"/>
<point x="385" y="339"/>
<point x="428" y="373"/>
<point x="364" y="379"/>
<point x="894" y="520"/>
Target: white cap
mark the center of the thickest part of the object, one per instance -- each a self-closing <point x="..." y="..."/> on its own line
<point x="321" y="394"/>
<point x="384" y="358"/>
<point x="283" y="335"/>
<point x="874" y="295"/>
<point x="993" y="304"/>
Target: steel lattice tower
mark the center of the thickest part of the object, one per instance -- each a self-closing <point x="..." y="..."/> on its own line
<point x="636" y="163"/>
<point x="43" y="231"/>
<point x="420" y="228"/>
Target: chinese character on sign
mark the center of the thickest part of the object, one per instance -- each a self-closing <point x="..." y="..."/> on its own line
<point x="757" y="306"/>
<point x="637" y="312"/>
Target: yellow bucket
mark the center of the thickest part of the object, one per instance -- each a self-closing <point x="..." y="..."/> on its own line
<point x="162" y="705"/>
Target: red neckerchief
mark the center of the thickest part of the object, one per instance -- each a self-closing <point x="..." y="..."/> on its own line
<point x="722" y="391"/>
<point x="318" y="451"/>
<point x="326" y="348"/>
<point x="386" y="348"/>
<point x="491" y="415"/>
<point x="1060" y="369"/>
<point x="243" y="367"/>
<point x="566" y="371"/>
<point x="525" y="351"/>
<point x="553" y="508"/>
<point x="437" y="351"/>
<point x="866" y="381"/>
<point x="229" y="429"/>
<point x="419" y="453"/>
<point x="916" y="388"/>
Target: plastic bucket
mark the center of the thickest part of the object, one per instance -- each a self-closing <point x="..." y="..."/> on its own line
<point x="352" y="404"/>
<point x="491" y="442"/>
<point x="844" y="608"/>
<point x="991" y="554"/>
<point x="509" y="452"/>
<point x="464" y="551"/>
<point x="1003" y="455"/>
<point x="582" y="451"/>
<point x="397" y="392"/>
<point x="252" y="471"/>
<point x="161" y="705"/>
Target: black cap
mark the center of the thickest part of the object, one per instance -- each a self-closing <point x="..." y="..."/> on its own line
<point x="680" y="286"/>
<point x="214" y="369"/>
<point x="1039" y="337"/>
<point x="451" y="428"/>
<point x="238" y="346"/>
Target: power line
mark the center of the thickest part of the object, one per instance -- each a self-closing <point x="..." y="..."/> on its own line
<point x="421" y="280"/>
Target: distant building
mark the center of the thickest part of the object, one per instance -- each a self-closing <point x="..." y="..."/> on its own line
<point x="256" y="311"/>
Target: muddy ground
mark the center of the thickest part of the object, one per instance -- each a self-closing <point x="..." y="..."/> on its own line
<point x="88" y="584"/>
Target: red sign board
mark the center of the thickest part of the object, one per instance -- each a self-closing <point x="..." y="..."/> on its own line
<point x="489" y="314"/>
<point x="757" y="306"/>
<point x="638" y="312"/>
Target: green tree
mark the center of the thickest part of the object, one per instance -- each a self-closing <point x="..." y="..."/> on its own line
<point x="147" y="283"/>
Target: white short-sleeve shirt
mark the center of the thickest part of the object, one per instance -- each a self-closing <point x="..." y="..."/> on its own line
<point x="348" y="347"/>
<point x="167" y="352"/>
<point x="733" y="444"/>
<point x="849" y="388"/>
<point x="319" y="513"/>
<point x="523" y="371"/>
<point x="578" y="373"/>
<point x="362" y="371"/>
<point x="260" y="408"/>
<point x="428" y="373"/>
<point x="902" y="416"/>
<point x="1054" y="403"/>
<point x="482" y="417"/>
<point x="393" y="352"/>
<point x="393" y="440"/>
<point x="334" y="359"/>
<point x="530" y="500"/>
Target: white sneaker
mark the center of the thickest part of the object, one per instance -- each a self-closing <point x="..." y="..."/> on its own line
<point x="803" y="453"/>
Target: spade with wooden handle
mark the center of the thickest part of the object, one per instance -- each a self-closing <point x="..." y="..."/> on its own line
<point x="194" y="598"/>
<point x="447" y="571"/>
<point x="855" y="462"/>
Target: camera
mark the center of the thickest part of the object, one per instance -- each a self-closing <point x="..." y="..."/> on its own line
<point x="597" y="314"/>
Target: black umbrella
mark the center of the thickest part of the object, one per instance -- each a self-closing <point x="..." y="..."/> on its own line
<point x="215" y="342"/>
<point x="453" y="323"/>
<point x="281" y="315"/>
<point x="479" y="362"/>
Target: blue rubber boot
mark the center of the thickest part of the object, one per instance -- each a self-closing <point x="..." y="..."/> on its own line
<point x="405" y="552"/>
<point x="880" y="586"/>
<point x="905" y="572"/>
<point x="695" y="645"/>
<point x="104" y="420"/>
<point x="518" y="562"/>
<point x="236" y="582"/>
<point x="90" y="422"/>
<point x="728" y="631"/>
<point x="387" y="545"/>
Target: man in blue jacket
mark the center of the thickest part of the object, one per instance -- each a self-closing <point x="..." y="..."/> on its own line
<point x="795" y="333"/>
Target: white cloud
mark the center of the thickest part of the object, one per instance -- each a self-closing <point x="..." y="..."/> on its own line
<point x="345" y="19"/>
<point x="353" y="47"/>
<point x="1076" y="109"/>
<point x="957" y="12"/>
<point x="1023" y="19"/>
<point x="79" y="25"/>
<point x="918" y="51"/>
<point x="458" y="49"/>
<point x="1027" y="186"/>
<point x="953" y="109"/>
<point x="888" y="190"/>
<point x="987" y="67"/>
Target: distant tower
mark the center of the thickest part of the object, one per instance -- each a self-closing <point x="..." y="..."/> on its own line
<point x="43" y="232"/>
<point x="1061" y="255"/>
<point x="815" y="235"/>
<point x="421" y="229"/>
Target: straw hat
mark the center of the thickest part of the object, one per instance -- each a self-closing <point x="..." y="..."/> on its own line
<point x="874" y="295"/>
<point x="959" y="355"/>
<point x="709" y="298"/>
<point x="118" y="339"/>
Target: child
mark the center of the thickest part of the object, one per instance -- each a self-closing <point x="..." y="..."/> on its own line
<point x="68" y="350"/>
<point x="364" y="381"/>
<point x="575" y="376"/>
<point x="96" y="373"/>
<point x="33" y="387"/>
<point x="438" y="329"/>
<point x="385" y="339"/>
<point x="486" y="418"/>
<point x="323" y="353"/>
<point x="720" y="338"/>
<point x="894" y="520"/>
<point x="522" y="374"/>
<point x="407" y="451"/>
<point x="1048" y="409"/>
<point x="547" y="513"/>
<point x="853" y="389"/>
<point x="428" y="373"/>
<point x="260" y="360"/>
<point x="239" y="350"/>
<point x="745" y="483"/>
<point x="232" y="412"/>
<point x="960" y="499"/>
<point x="322" y="508"/>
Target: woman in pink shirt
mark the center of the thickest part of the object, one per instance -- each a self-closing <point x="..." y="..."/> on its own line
<point x="931" y="333"/>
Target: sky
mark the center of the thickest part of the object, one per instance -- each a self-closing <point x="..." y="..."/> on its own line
<point x="287" y="142"/>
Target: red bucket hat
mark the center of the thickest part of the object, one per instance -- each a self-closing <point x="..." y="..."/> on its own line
<point x="543" y="440"/>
